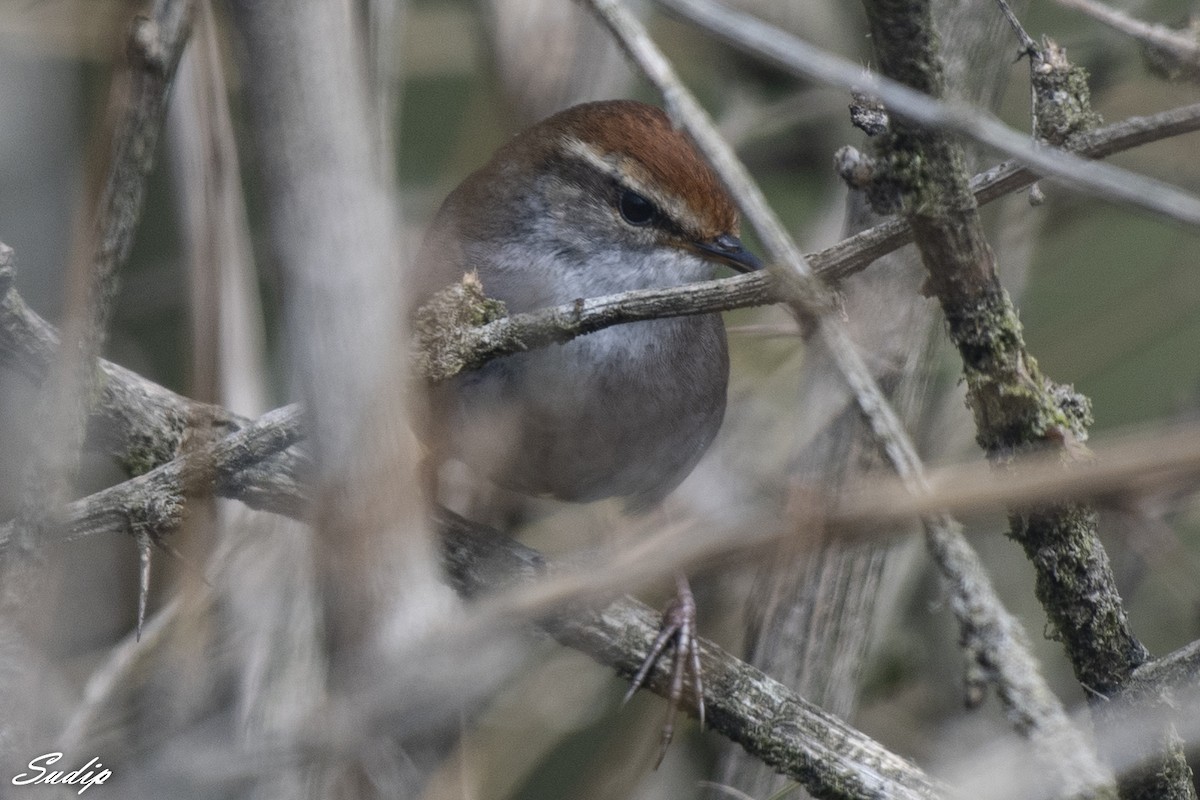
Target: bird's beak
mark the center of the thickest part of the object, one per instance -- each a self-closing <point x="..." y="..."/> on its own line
<point x="729" y="250"/>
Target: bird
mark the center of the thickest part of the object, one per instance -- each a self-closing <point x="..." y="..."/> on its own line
<point x="600" y="198"/>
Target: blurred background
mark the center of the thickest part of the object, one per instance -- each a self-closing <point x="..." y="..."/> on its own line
<point x="1109" y="297"/>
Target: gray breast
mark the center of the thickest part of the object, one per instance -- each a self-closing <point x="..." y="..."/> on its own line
<point x="626" y="412"/>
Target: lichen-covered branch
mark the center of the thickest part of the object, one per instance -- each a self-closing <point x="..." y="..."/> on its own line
<point x="991" y="637"/>
<point x="153" y="506"/>
<point x="479" y="561"/>
<point x="1015" y="406"/>
<point x="826" y="756"/>
<point x="461" y="329"/>
<point x="809" y="61"/>
<point x="138" y="99"/>
<point x="813" y="747"/>
<point x="823" y="753"/>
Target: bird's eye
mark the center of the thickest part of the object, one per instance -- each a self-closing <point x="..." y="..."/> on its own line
<point x="635" y="209"/>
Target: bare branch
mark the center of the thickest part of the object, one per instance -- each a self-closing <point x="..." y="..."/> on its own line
<point x="790" y="734"/>
<point x="446" y="349"/>
<point x="155" y="46"/>
<point x="1027" y="43"/>
<point x="272" y="484"/>
<point x="991" y="636"/>
<point x="447" y="352"/>
<point x="153" y="505"/>
<point x="1178" y="669"/>
<point x="1181" y="52"/>
<point x="138" y="97"/>
<point x="783" y="729"/>
<point x="788" y="52"/>
<point x="1015" y="407"/>
<point x="857" y="252"/>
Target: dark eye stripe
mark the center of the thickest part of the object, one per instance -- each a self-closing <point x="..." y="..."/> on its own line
<point x="636" y="209"/>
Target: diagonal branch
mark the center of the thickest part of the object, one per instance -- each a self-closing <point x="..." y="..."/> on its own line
<point x="1173" y="52"/>
<point x="810" y="745"/>
<point x="1014" y="405"/>
<point x="990" y="635"/>
<point x="786" y="731"/>
<point x="138" y="98"/>
<point x="447" y="352"/>
<point x="154" y="505"/>
<point x="794" y="55"/>
<point x="829" y="758"/>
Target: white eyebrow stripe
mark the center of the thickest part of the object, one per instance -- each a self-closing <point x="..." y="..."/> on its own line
<point x="582" y="149"/>
<point x="608" y="165"/>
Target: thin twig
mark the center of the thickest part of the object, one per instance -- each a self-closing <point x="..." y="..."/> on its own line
<point x="768" y="719"/>
<point x="152" y="506"/>
<point x="139" y="95"/>
<point x="1029" y="49"/>
<point x="272" y="484"/>
<point x="856" y="252"/>
<point x="1158" y="36"/>
<point x="790" y="53"/>
<point x="156" y="44"/>
<point x="535" y="329"/>
<point x="1027" y="43"/>
<point x="990" y="634"/>
<point x="1015" y="406"/>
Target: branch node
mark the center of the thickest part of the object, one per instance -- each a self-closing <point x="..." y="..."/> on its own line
<point x="1062" y="105"/>
<point x="854" y="167"/>
<point x="868" y="114"/>
<point x="146" y="46"/>
<point x="445" y="327"/>
<point x="975" y="680"/>
<point x="1175" y="64"/>
<point x="7" y="272"/>
<point x="144" y="548"/>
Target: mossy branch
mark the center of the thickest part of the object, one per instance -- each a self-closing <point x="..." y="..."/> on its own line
<point x="830" y="758"/>
<point x="1015" y="406"/>
<point x="253" y="464"/>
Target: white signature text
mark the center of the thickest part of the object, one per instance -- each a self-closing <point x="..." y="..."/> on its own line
<point x="90" y="774"/>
